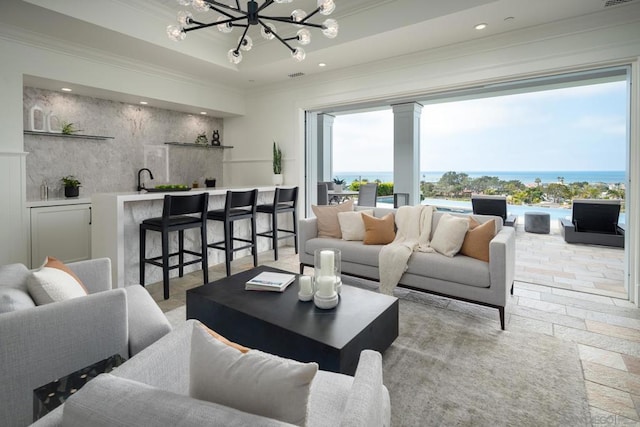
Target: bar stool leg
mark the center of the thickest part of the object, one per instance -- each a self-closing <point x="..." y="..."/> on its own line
<point x="181" y="253"/>
<point x="254" y="239"/>
<point x="143" y="235"/>
<point x="165" y="263"/>
<point x="274" y="233"/>
<point x="295" y="230"/>
<point x="205" y="253"/>
<point x="228" y="245"/>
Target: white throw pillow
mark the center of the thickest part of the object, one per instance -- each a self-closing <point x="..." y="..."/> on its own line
<point x="449" y="234"/>
<point x="51" y="283"/>
<point x="253" y="382"/>
<point x="352" y="225"/>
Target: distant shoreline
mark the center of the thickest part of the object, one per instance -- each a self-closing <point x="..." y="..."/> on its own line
<point x="526" y="177"/>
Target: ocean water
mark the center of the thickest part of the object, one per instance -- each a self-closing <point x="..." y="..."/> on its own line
<point x="526" y="177"/>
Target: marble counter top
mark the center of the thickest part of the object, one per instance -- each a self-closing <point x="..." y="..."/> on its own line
<point x="133" y="196"/>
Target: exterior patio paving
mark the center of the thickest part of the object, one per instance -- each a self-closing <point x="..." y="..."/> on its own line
<point x="546" y="259"/>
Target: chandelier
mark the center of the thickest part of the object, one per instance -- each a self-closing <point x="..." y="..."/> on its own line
<point x="232" y="15"/>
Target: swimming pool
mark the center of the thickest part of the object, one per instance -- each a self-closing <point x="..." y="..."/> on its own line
<point x="465" y="207"/>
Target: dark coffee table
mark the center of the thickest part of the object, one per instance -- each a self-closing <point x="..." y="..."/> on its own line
<point x="280" y="324"/>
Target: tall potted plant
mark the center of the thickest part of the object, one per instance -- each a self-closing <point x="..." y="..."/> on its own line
<point x="71" y="186"/>
<point x="277" y="165"/>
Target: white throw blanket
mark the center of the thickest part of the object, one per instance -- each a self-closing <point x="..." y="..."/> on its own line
<point x="414" y="231"/>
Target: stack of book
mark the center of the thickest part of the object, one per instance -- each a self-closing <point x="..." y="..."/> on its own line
<point x="269" y="281"/>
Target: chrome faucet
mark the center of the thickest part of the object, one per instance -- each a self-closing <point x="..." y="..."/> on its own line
<point x="140" y="186"/>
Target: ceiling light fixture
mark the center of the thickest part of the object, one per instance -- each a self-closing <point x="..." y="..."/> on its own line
<point x="143" y="102"/>
<point x="481" y="26"/>
<point x="233" y="16"/>
<point x="65" y="89"/>
<point x="322" y="64"/>
<point x="204" y="113"/>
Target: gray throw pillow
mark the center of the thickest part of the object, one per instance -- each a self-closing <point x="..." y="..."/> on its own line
<point x="12" y="299"/>
<point x="14" y="276"/>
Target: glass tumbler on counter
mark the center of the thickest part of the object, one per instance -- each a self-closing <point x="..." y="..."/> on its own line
<point x="327" y="271"/>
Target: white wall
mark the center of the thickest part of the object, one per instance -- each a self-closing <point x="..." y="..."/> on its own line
<point x="26" y="54"/>
<point x="592" y="41"/>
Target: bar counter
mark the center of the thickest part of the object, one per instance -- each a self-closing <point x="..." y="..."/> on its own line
<point x="115" y="231"/>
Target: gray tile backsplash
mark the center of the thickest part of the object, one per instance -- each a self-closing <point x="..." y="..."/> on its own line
<point x="111" y="165"/>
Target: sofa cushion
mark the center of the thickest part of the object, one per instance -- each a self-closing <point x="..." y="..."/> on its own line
<point x="352" y="225"/>
<point x="379" y="231"/>
<point x="254" y="382"/>
<point x="459" y="269"/>
<point x="14" y="276"/>
<point x="12" y="299"/>
<point x="108" y="401"/>
<point x="351" y="251"/>
<point x="328" y="225"/>
<point x="476" y="241"/>
<point x="54" y="282"/>
<point x="449" y="235"/>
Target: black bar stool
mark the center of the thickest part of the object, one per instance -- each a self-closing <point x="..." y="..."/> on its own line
<point x="238" y="205"/>
<point x="176" y="217"/>
<point x="284" y="200"/>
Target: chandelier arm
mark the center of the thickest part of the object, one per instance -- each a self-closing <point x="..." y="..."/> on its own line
<point x="213" y="3"/>
<point x="213" y="24"/>
<point x="242" y="39"/>
<point x="290" y="21"/>
<point x="227" y="14"/>
<point x="266" y="4"/>
<point x="310" y="15"/>
<point x="280" y="39"/>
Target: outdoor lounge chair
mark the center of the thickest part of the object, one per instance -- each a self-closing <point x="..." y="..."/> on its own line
<point x="493" y="205"/>
<point x="595" y="222"/>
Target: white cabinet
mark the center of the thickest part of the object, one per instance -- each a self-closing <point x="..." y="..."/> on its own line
<point x="63" y="232"/>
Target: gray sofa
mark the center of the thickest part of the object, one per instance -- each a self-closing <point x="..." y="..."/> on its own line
<point x="43" y="343"/>
<point x="460" y="277"/>
<point x="151" y="389"/>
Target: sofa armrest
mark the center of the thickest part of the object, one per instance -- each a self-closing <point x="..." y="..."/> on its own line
<point x="368" y="403"/>
<point x="308" y="229"/>
<point x="94" y="273"/>
<point x="47" y="342"/>
<point x="502" y="262"/>
<point x="147" y="323"/>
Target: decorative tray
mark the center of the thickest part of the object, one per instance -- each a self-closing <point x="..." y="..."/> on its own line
<point x="165" y="190"/>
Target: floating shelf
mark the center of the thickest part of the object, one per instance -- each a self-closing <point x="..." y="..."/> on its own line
<point x="64" y="135"/>
<point x="189" y="144"/>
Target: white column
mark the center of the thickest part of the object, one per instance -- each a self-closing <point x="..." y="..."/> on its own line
<point x="325" y="146"/>
<point x="406" y="150"/>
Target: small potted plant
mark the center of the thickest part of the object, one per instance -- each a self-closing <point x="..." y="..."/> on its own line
<point x="338" y="183"/>
<point x="277" y="165"/>
<point x="71" y="186"/>
<point x="68" y="128"/>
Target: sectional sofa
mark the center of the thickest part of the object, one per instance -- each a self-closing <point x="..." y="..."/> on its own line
<point x="459" y="277"/>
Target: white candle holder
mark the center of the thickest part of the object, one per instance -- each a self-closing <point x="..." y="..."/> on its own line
<point x="305" y="293"/>
<point x="327" y="277"/>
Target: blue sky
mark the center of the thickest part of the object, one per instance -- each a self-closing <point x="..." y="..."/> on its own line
<point x="579" y="128"/>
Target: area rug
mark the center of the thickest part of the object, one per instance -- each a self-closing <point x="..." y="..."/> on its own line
<point x="452" y="368"/>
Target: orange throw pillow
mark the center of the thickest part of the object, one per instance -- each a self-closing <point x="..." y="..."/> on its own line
<point x="378" y="231"/>
<point x="476" y="241"/>
<point x="240" y="348"/>
<point x="328" y="224"/>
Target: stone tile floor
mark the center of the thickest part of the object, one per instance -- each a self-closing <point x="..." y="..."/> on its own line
<point x="605" y="329"/>
<point x="546" y="259"/>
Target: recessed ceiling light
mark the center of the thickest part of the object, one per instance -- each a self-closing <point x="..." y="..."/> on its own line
<point x="143" y="102"/>
<point x="481" y="26"/>
<point x="322" y="64"/>
<point x="204" y="113"/>
<point x="65" y="89"/>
